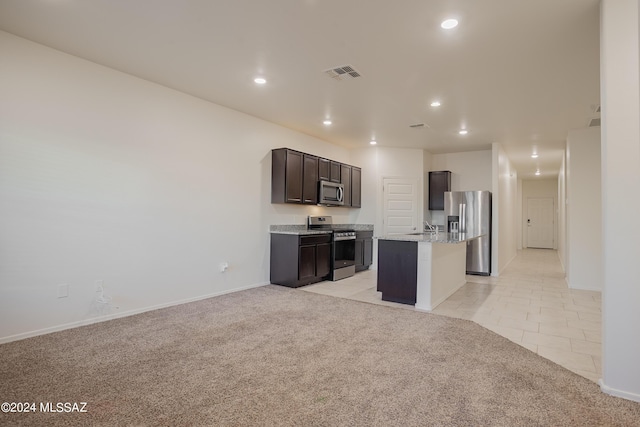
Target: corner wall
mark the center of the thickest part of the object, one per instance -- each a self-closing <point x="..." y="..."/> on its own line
<point x="583" y="210"/>
<point x="562" y="214"/>
<point x="620" y="99"/>
<point x="505" y="208"/>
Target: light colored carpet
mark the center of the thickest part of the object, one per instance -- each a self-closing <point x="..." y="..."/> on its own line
<point x="274" y="356"/>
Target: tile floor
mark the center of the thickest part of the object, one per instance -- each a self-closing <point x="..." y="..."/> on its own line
<point x="529" y="303"/>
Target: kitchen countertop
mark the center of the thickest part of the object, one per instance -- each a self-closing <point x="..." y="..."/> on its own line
<point x="302" y="230"/>
<point x="428" y="237"/>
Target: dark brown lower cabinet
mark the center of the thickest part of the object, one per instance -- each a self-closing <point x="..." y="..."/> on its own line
<point x="299" y="260"/>
<point x="364" y="249"/>
<point x="398" y="270"/>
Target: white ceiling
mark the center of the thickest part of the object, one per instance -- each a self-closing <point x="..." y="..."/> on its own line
<point x="521" y="73"/>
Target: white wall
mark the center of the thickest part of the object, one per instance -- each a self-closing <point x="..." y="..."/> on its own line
<point x="504" y="212"/>
<point x="383" y="162"/>
<point x="519" y="215"/>
<point x="427" y="160"/>
<point x="104" y="176"/>
<point x="470" y="171"/>
<point x="620" y="99"/>
<point x="562" y="214"/>
<point x="532" y="188"/>
<point x="583" y="210"/>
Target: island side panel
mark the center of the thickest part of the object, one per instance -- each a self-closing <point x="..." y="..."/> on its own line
<point x="423" y="285"/>
<point x="397" y="270"/>
<point x="446" y="266"/>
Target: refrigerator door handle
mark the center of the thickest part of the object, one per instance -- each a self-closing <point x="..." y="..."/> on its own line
<point x="463" y="218"/>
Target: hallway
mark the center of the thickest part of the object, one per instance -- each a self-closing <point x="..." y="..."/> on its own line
<point x="530" y="304"/>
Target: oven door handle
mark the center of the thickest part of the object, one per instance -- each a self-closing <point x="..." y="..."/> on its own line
<point x="340" y="239"/>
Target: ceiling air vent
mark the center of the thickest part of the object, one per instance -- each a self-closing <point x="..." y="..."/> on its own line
<point x="418" y="126"/>
<point x="595" y="122"/>
<point x="343" y="72"/>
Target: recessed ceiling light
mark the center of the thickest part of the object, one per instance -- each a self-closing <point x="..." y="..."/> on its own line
<point x="435" y="104"/>
<point x="373" y="142"/>
<point x="534" y="156"/>
<point x="260" y="80"/>
<point x="538" y="172"/>
<point x="463" y="131"/>
<point x="448" y="24"/>
<point x="327" y="122"/>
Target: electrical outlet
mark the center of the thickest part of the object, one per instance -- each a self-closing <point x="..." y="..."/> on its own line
<point x="63" y="290"/>
<point x="224" y="266"/>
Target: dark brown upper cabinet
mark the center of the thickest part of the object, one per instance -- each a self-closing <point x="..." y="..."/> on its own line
<point x="439" y="182"/>
<point x="310" y="179"/>
<point x="329" y="170"/>
<point x="295" y="176"/>
<point x="345" y="179"/>
<point x="286" y="176"/>
<point x="356" y="187"/>
<point x="324" y="169"/>
<point x="334" y="171"/>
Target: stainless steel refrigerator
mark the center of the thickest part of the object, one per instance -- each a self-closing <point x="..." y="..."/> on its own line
<point x="470" y="212"/>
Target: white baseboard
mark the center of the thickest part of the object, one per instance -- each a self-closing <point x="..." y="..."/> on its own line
<point x="429" y="308"/>
<point x="112" y="316"/>
<point x="579" y="288"/>
<point x="436" y="303"/>
<point x="619" y="393"/>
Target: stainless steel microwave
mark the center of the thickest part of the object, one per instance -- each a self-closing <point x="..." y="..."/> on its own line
<point x="330" y="193"/>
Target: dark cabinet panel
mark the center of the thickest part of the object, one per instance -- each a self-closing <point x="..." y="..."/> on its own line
<point x="323" y="259"/>
<point x="324" y="169"/>
<point x="286" y="176"/>
<point x="299" y="260"/>
<point x="364" y="249"/>
<point x="368" y="252"/>
<point x="398" y="270"/>
<point x="294" y="177"/>
<point x="345" y="179"/>
<point x="310" y="180"/>
<point x="359" y="254"/>
<point x="334" y="171"/>
<point x="356" y="187"/>
<point x="307" y="262"/>
<point x="439" y="182"/>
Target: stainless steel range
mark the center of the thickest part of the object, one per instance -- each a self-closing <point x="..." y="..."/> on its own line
<point x="343" y="246"/>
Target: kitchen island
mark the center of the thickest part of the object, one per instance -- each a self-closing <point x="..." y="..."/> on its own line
<point x="421" y="269"/>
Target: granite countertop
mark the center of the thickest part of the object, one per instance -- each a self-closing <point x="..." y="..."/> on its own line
<point x="302" y="230"/>
<point x="428" y="237"/>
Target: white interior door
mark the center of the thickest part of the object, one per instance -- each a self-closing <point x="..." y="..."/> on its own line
<point x="400" y="215"/>
<point x="540" y="222"/>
